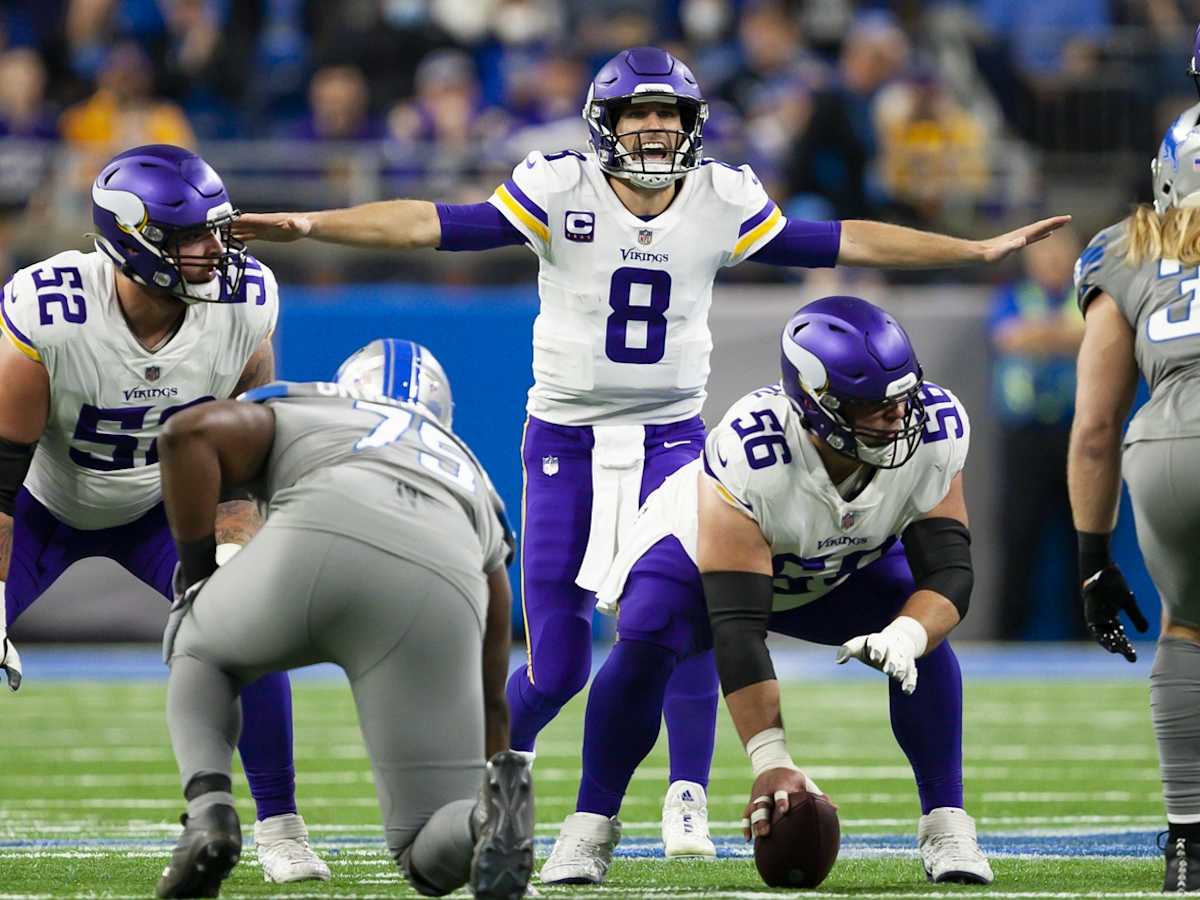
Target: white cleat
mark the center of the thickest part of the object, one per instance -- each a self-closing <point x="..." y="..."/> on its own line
<point x="949" y="849"/>
<point x="284" y="853"/>
<point x="685" y="823"/>
<point x="583" y="851"/>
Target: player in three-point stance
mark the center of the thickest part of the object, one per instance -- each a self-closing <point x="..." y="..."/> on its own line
<point x="384" y="551"/>
<point x="101" y="349"/>
<point x="629" y="238"/>
<point x="792" y="521"/>
<point x="1137" y="284"/>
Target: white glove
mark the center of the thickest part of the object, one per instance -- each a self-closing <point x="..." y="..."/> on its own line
<point x="894" y="651"/>
<point x="10" y="659"/>
<point x="179" y="608"/>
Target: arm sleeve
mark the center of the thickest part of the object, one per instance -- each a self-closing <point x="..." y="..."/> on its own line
<point x="476" y="226"/>
<point x="1101" y="267"/>
<point x="810" y="245"/>
<point x="522" y="201"/>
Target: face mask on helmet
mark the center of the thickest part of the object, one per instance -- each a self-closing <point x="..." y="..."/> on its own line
<point x="1175" y="171"/>
<point x="402" y="370"/>
<point x="650" y="157"/>
<point x="850" y="371"/>
<point x="163" y="217"/>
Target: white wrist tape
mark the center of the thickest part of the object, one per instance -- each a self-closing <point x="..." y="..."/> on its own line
<point x="225" y="552"/>
<point x="768" y="750"/>
<point x="911" y="630"/>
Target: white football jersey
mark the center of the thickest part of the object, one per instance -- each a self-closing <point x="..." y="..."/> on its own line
<point x="622" y="333"/>
<point x="96" y="465"/>
<point x="762" y="462"/>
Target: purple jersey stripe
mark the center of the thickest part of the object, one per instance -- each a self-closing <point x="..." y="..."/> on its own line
<point x="532" y="208"/>
<point x="9" y="322"/>
<point x="757" y="219"/>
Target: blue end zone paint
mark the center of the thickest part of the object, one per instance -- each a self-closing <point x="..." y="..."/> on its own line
<point x="793" y="660"/>
<point x="1122" y="844"/>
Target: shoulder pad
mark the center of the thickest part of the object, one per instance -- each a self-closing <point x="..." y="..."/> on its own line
<point x="556" y="171"/>
<point x="738" y="186"/>
<point x="947" y="436"/>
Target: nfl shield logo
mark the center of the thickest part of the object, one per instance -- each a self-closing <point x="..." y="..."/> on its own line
<point x="152" y="373"/>
<point x="847" y="520"/>
<point x="645" y="236"/>
<point x="549" y="465"/>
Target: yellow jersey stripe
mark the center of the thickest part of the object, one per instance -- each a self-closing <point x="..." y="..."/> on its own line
<point x="522" y="213"/>
<point x="25" y="348"/>
<point x="750" y="237"/>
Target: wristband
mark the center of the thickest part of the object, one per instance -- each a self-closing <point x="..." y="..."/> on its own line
<point x="1094" y="553"/>
<point x="768" y="750"/>
<point x="911" y="630"/>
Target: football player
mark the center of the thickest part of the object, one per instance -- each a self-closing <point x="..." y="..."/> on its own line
<point x="792" y="521"/>
<point x="1139" y="287"/>
<point x="629" y="237"/>
<point x="384" y="551"/>
<point x="101" y="349"/>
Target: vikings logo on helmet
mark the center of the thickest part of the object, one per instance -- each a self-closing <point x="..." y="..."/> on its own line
<point x="644" y="75"/>
<point x="841" y="352"/>
<point x="147" y="201"/>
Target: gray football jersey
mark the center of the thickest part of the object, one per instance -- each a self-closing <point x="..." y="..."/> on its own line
<point x="1161" y="301"/>
<point x="353" y="464"/>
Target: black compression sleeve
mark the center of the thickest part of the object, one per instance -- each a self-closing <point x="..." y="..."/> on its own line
<point x="939" y="554"/>
<point x="739" y="606"/>
<point x="14" y="466"/>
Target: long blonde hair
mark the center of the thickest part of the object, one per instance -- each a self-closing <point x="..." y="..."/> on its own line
<point x="1173" y="235"/>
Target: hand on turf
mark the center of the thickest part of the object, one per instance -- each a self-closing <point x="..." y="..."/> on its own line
<point x="769" y="799"/>
<point x="890" y="653"/>
<point x="10" y="661"/>
<point x="278" y="227"/>
<point x="995" y="249"/>
<point x="1105" y="594"/>
<point x="185" y="596"/>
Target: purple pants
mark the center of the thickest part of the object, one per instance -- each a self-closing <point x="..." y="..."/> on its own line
<point x="556" y="520"/>
<point x="43" y="548"/>
<point x="557" y="464"/>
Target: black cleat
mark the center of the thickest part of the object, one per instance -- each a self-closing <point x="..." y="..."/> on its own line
<point x="205" y="854"/>
<point x="1183" y="864"/>
<point x="503" y="860"/>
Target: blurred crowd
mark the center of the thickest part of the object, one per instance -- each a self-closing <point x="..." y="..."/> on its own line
<point x="931" y="113"/>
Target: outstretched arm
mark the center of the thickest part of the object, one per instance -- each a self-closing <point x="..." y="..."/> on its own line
<point x="880" y="245"/>
<point x="391" y="224"/>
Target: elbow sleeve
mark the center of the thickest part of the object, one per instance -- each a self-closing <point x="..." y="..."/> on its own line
<point x="939" y="554"/>
<point x="739" y="608"/>
<point x="14" y="466"/>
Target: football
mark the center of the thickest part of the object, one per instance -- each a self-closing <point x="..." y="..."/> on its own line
<point x="803" y="846"/>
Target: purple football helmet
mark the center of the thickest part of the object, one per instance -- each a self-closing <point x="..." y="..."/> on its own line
<point x="644" y="75"/>
<point x="148" y="200"/>
<point x="843" y="356"/>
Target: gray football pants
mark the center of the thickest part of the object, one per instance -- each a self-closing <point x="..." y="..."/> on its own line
<point x="1164" y="482"/>
<point x="409" y="641"/>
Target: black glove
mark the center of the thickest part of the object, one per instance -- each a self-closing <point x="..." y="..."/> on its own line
<point x="1104" y="595"/>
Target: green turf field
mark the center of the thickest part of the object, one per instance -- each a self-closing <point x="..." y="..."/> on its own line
<point x="1061" y="776"/>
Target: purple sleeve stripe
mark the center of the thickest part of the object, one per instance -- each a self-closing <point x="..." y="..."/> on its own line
<point x="532" y="208"/>
<point x="757" y="219"/>
<point x="809" y="245"/>
<point x="476" y="226"/>
<point x="16" y="332"/>
<point x="713" y="475"/>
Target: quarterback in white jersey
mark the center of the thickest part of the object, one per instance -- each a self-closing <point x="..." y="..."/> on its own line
<point x="100" y="349"/>
<point x="629" y="238"/>
<point x="791" y="522"/>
